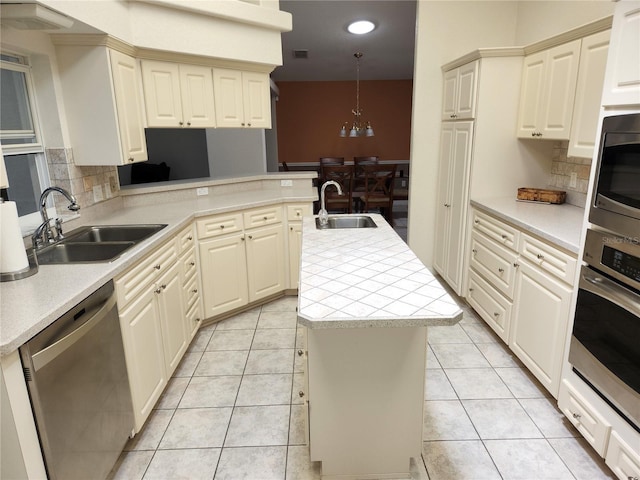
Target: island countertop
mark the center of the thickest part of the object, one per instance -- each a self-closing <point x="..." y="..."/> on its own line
<point x="367" y="277"/>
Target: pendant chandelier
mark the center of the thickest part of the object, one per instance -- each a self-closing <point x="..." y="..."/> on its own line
<point x="357" y="128"/>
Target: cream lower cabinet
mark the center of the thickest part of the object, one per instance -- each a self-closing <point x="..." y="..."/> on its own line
<point x="153" y="329"/>
<point x="295" y="213"/>
<point x="521" y="286"/>
<point x="243" y="266"/>
<point x="190" y="278"/>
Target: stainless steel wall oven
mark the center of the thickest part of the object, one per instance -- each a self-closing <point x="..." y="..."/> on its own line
<point x="616" y="195"/>
<point x="605" y="344"/>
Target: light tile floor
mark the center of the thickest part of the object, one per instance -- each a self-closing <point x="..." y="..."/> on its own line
<point x="232" y="410"/>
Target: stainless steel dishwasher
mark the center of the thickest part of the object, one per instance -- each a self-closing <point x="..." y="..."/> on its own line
<point x="79" y="389"/>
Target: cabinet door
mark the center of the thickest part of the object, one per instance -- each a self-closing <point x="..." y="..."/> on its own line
<point x="538" y="329"/>
<point x="227" y="88"/>
<point x="265" y="260"/>
<point x="586" y="111"/>
<point x="257" y="100"/>
<point x="295" y="250"/>
<point x="224" y="274"/>
<point x="196" y="87"/>
<point x="442" y="211"/>
<point x="533" y="74"/>
<point x="622" y="459"/>
<point x="168" y="292"/>
<point x="128" y="99"/>
<point x="161" y="82"/>
<point x="143" y="348"/>
<point x="622" y="80"/>
<point x="560" y="90"/>
<point x="449" y="94"/>
<point x="466" y="92"/>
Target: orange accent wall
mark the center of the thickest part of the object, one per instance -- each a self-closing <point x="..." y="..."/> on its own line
<point x="309" y="116"/>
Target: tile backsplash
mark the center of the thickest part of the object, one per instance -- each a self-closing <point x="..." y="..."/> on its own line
<point x="562" y="166"/>
<point x="90" y="185"/>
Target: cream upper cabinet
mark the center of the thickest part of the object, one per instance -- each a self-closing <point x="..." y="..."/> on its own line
<point x="455" y="159"/>
<point x="548" y="92"/>
<point x="104" y="105"/>
<point x="586" y="110"/>
<point x="459" y="95"/>
<point x="178" y="95"/>
<point x="242" y="98"/>
<point x="622" y="80"/>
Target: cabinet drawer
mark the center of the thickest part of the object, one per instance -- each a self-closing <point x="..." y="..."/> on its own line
<point x="548" y="258"/>
<point x="621" y="458"/>
<point x="133" y="282"/>
<point x="260" y="217"/>
<point x="490" y="304"/>
<point x="496" y="230"/>
<point x="193" y="319"/>
<point x="186" y="239"/>
<point x="191" y="292"/>
<point x="593" y="427"/>
<point x="188" y="264"/>
<point x="296" y="212"/>
<point x="494" y="262"/>
<point x="219" y="225"/>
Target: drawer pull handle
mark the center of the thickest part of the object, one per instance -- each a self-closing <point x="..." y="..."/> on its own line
<point x="516" y="265"/>
<point x="221" y="226"/>
<point x="157" y="267"/>
<point x="158" y="290"/>
<point x="501" y="270"/>
<point x="264" y="218"/>
<point x="250" y="237"/>
<point x="301" y="394"/>
<point x="504" y="237"/>
<point x="447" y="205"/>
<point x="198" y="320"/>
<point x="242" y="238"/>
<point x="577" y="416"/>
<point x="190" y="237"/>
<point x="471" y="289"/>
<point x="164" y="287"/>
<point x="297" y="214"/>
<point x="540" y="256"/>
<point x="300" y="352"/>
<point x="193" y="264"/>
<point x="195" y="290"/>
<point x="496" y="314"/>
<point x="476" y="221"/>
<point x="474" y="251"/>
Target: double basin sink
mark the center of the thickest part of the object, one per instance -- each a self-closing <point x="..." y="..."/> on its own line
<point x="93" y="244"/>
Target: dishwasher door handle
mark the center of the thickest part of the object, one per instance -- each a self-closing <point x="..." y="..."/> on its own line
<point x="46" y="355"/>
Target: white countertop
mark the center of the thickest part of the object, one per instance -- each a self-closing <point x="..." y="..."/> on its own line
<point x="367" y="277"/>
<point x="558" y="224"/>
<point x="29" y="305"/>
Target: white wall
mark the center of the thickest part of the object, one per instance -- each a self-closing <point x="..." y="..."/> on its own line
<point x="447" y="30"/>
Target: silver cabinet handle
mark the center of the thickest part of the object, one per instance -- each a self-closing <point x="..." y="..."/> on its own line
<point x="130" y="159"/>
<point x="476" y="221"/>
<point x="222" y="226"/>
<point x="540" y="256"/>
<point x="447" y="205"/>
<point x="190" y="237"/>
<point x="250" y="237"/>
<point x="300" y="352"/>
<point x="193" y="264"/>
<point x="195" y="290"/>
<point x="474" y="251"/>
<point x="504" y="237"/>
<point x="157" y="267"/>
<point x="188" y="124"/>
<point x="264" y="218"/>
<point x="516" y="265"/>
<point x="501" y="270"/>
<point x="158" y="290"/>
<point x="471" y="289"/>
<point x="577" y="416"/>
<point x="496" y="314"/>
<point x="301" y="394"/>
<point x="164" y="287"/>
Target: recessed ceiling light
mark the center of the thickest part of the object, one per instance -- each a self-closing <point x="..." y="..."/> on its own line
<point x="361" y="27"/>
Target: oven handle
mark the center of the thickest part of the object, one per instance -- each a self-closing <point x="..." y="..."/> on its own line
<point x="593" y="282"/>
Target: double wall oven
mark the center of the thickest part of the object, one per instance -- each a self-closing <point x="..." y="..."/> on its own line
<point x="605" y="344"/>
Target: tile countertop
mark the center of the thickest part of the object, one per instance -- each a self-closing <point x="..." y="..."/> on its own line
<point x="29" y="305"/>
<point x="367" y="277"/>
<point x="558" y="224"/>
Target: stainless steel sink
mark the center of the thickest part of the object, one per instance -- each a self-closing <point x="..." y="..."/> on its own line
<point x="94" y="244"/>
<point x="353" y="221"/>
<point x="81" y="252"/>
<point x="112" y="233"/>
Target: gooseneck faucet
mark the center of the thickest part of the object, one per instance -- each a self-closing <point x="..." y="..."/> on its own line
<point x="44" y="234"/>
<point x="323" y="216"/>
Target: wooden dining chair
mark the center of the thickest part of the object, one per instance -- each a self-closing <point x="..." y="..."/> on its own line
<point x="358" y="180"/>
<point x="331" y="161"/>
<point x="343" y="175"/>
<point x="378" y="189"/>
<point x="373" y="160"/>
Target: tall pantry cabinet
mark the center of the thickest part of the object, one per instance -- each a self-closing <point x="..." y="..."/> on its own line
<point x="479" y="151"/>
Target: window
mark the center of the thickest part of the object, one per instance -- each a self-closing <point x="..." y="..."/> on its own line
<point x="20" y="138"/>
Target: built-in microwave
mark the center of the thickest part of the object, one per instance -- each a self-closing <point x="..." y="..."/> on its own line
<point x="616" y="194"/>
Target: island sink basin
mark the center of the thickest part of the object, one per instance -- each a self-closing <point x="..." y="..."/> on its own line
<point x="95" y="244"/>
<point x="353" y="221"/>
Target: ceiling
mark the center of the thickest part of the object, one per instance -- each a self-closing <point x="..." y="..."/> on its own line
<point x="320" y="26"/>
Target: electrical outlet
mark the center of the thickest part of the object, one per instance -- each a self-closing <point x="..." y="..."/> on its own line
<point x="97" y="193"/>
<point x="573" y="180"/>
<point x="286" y="183"/>
<point x="202" y="191"/>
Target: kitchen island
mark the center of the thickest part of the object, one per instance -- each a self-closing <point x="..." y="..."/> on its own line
<point x="367" y="302"/>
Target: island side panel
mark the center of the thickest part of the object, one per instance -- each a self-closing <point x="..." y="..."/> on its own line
<point x="366" y="399"/>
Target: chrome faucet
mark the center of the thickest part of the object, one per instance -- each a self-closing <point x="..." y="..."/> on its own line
<point x="323" y="216"/>
<point x="44" y="233"/>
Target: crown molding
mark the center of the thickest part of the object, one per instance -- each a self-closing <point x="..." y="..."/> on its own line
<point x="483" y="53"/>
<point x="570" y="35"/>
